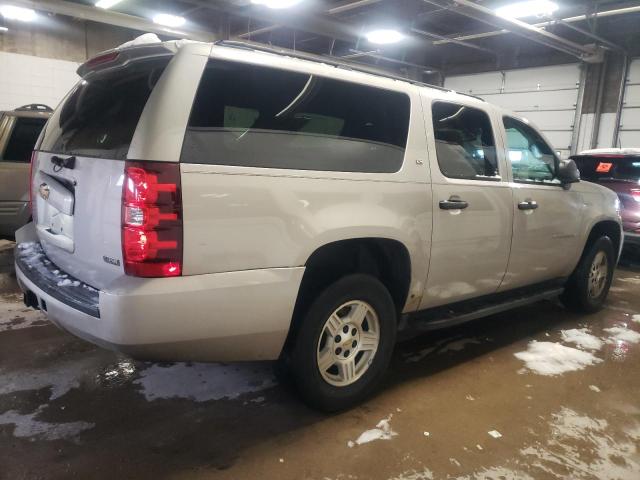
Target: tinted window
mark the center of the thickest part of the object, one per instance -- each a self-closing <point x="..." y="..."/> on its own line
<point x="248" y="115"/>
<point x="608" y="167"/>
<point x="464" y="142"/>
<point x="23" y="138"/>
<point x="101" y="114"/>
<point x="531" y="158"/>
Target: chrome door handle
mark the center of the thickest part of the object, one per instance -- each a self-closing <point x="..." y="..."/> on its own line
<point x="528" y="205"/>
<point x="454" y="203"/>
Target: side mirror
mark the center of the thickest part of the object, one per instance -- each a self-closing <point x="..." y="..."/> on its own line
<point x="568" y="172"/>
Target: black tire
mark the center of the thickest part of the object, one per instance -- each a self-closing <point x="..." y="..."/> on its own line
<point x="576" y="294"/>
<point x="314" y="389"/>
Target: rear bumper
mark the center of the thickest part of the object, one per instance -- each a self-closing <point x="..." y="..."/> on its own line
<point x="230" y="316"/>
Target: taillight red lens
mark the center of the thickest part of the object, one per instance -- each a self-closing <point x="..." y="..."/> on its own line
<point x="635" y="193"/>
<point x="152" y="219"/>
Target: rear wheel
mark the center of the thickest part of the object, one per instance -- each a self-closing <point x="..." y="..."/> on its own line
<point x="589" y="284"/>
<point x="344" y="343"/>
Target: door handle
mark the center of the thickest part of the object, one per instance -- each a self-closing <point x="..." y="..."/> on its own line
<point x="454" y="203"/>
<point x="528" y="205"/>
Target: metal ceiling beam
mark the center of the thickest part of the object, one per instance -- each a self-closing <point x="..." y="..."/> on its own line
<point x="87" y="12"/>
<point x="374" y="54"/>
<point x="332" y="11"/>
<point x="486" y="15"/>
<point x="457" y="42"/>
<point x="591" y="35"/>
<point x="578" y="18"/>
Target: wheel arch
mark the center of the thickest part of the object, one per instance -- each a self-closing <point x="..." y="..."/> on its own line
<point x="386" y="259"/>
<point x="609" y="228"/>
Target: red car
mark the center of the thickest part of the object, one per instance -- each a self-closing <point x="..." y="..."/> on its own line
<point x="619" y="170"/>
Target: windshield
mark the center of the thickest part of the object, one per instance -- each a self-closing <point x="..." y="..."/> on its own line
<point x="596" y="168"/>
<point x="100" y="115"/>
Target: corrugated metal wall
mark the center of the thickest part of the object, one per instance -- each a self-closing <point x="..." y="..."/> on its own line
<point x="629" y="135"/>
<point x="545" y="95"/>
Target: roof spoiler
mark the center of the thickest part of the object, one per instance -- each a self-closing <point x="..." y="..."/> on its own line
<point x="119" y="57"/>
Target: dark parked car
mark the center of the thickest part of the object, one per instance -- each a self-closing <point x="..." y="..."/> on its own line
<point x="619" y="170"/>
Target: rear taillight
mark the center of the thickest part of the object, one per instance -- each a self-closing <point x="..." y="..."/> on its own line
<point x="152" y="219"/>
<point x="34" y="156"/>
<point x="635" y="193"/>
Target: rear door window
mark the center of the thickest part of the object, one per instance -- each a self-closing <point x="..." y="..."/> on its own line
<point x="248" y="115"/>
<point x="100" y="116"/>
<point x="23" y="138"/>
<point x="464" y="142"/>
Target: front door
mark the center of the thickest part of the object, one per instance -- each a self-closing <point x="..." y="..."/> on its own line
<point x="472" y="211"/>
<point x="547" y="217"/>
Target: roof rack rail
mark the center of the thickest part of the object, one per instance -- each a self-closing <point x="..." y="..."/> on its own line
<point x="333" y="61"/>
<point x="34" y="107"/>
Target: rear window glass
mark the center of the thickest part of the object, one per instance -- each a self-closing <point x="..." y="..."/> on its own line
<point x="23" y="138"/>
<point x="247" y="115"/>
<point x="602" y="167"/>
<point x="100" y="116"/>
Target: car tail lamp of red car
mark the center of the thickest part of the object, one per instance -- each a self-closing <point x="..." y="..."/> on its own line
<point x="635" y="193"/>
<point x="152" y="219"/>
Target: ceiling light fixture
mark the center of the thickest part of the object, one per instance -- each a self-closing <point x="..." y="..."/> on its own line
<point x="168" y="20"/>
<point x="528" y="9"/>
<point x="384" y="36"/>
<point x="4" y="29"/>
<point x="12" y="12"/>
<point x="107" y="3"/>
<point x="276" y="3"/>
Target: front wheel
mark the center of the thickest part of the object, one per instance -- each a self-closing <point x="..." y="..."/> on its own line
<point x="589" y="284"/>
<point x="344" y="343"/>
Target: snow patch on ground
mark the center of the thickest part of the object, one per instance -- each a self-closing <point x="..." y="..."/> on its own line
<point x="594" y="388"/>
<point x="622" y="334"/>
<point x="27" y="426"/>
<point x="203" y="381"/>
<point x="548" y="358"/>
<point x="586" y="448"/>
<point x="636" y="318"/>
<point x="424" y="474"/>
<point x="582" y="338"/>
<point x="382" y="431"/>
<point x="632" y="280"/>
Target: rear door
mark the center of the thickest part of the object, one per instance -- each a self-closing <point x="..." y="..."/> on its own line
<point x="20" y="134"/>
<point x="472" y="211"/>
<point x="547" y="217"/>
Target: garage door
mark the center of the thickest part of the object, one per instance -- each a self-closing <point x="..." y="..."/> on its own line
<point x="630" y="120"/>
<point x="547" y="96"/>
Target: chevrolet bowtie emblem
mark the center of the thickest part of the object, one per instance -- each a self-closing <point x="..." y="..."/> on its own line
<point x="44" y="191"/>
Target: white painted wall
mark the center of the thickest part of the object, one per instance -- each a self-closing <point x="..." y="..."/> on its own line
<point x="547" y="96"/>
<point x="27" y="79"/>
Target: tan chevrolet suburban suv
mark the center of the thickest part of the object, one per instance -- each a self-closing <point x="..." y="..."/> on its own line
<point x="19" y="130"/>
<point x="233" y="202"/>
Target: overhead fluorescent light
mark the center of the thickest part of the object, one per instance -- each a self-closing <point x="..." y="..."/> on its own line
<point x="107" y="3"/>
<point x="168" y="20"/>
<point x="528" y="9"/>
<point x="276" y="3"/>
<point x="4" y="29"/>
<point x="11" y="12"/>
<point x="384" y="36"/>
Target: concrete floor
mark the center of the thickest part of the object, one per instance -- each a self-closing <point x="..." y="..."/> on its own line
<point x="71" y="410"/>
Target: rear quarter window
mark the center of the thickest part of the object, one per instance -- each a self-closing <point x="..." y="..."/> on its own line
<point x="23" y="139"/>
<point x="248" y="115"/>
